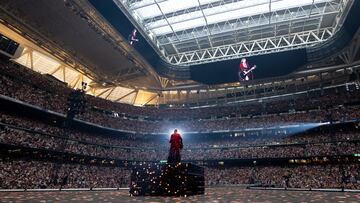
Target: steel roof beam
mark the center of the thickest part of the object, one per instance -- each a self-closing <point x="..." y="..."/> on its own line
<point x="207" y="25"/>
<point x="251" y="21"/>
<point x="141" y="6"/>
<point x="271" y="30"/>
<point x="157" y="4"/>
<point x="277" y="29"/>
<point x="255" y="47"/>
<point x="147" y="22"/>
<point x="189" y="10"/>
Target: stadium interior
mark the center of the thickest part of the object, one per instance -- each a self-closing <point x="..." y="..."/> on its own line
<point x="265" y="94"/>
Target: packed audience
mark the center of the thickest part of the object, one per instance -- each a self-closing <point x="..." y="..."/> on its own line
<point x="29" y="174"/>
<point x="147" y="144"/>
<point x="48" y="93"/>
<point x="24" y="132"/>
<point x="289" y="176"/>
<point x="25" y="85"/>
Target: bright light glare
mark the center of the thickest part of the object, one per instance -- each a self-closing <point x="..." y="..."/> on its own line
<point x="171" y="131"/>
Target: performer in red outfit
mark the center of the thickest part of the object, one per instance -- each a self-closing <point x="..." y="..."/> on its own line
<point x="176" y="145"/>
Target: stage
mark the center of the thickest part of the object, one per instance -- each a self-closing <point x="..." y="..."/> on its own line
<point x="219" y="194"/>
<point x="177" y="179"/>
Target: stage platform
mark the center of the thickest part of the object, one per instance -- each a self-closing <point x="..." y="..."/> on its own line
<point x="155" y="179"/>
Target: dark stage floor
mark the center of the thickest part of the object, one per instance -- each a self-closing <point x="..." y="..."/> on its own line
<point x="232" y="194"/>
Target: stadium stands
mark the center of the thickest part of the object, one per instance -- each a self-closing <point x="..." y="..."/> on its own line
<point x="28" y="174"/>
<point x="248" y="133"/>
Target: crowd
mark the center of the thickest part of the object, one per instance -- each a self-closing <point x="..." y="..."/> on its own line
<point x="289" y="176"/>
<point x="25" y="85"/>
<point x="15" y="174"/>
<point x="302" y="103"/>
<point x="28" y="174"/>
<point x="39" y="90"/>
<point x="25" y="132"/>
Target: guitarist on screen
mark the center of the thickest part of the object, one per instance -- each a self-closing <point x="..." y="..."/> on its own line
<point x="245" y="72"/>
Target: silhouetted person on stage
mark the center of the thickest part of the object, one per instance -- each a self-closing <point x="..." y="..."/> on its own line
<point x="176" y="145"/>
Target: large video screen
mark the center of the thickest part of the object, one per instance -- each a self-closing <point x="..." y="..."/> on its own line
<point x="250" y="68"/>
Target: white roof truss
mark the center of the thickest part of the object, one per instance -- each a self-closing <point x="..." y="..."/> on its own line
<point x="186" y="32"/>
